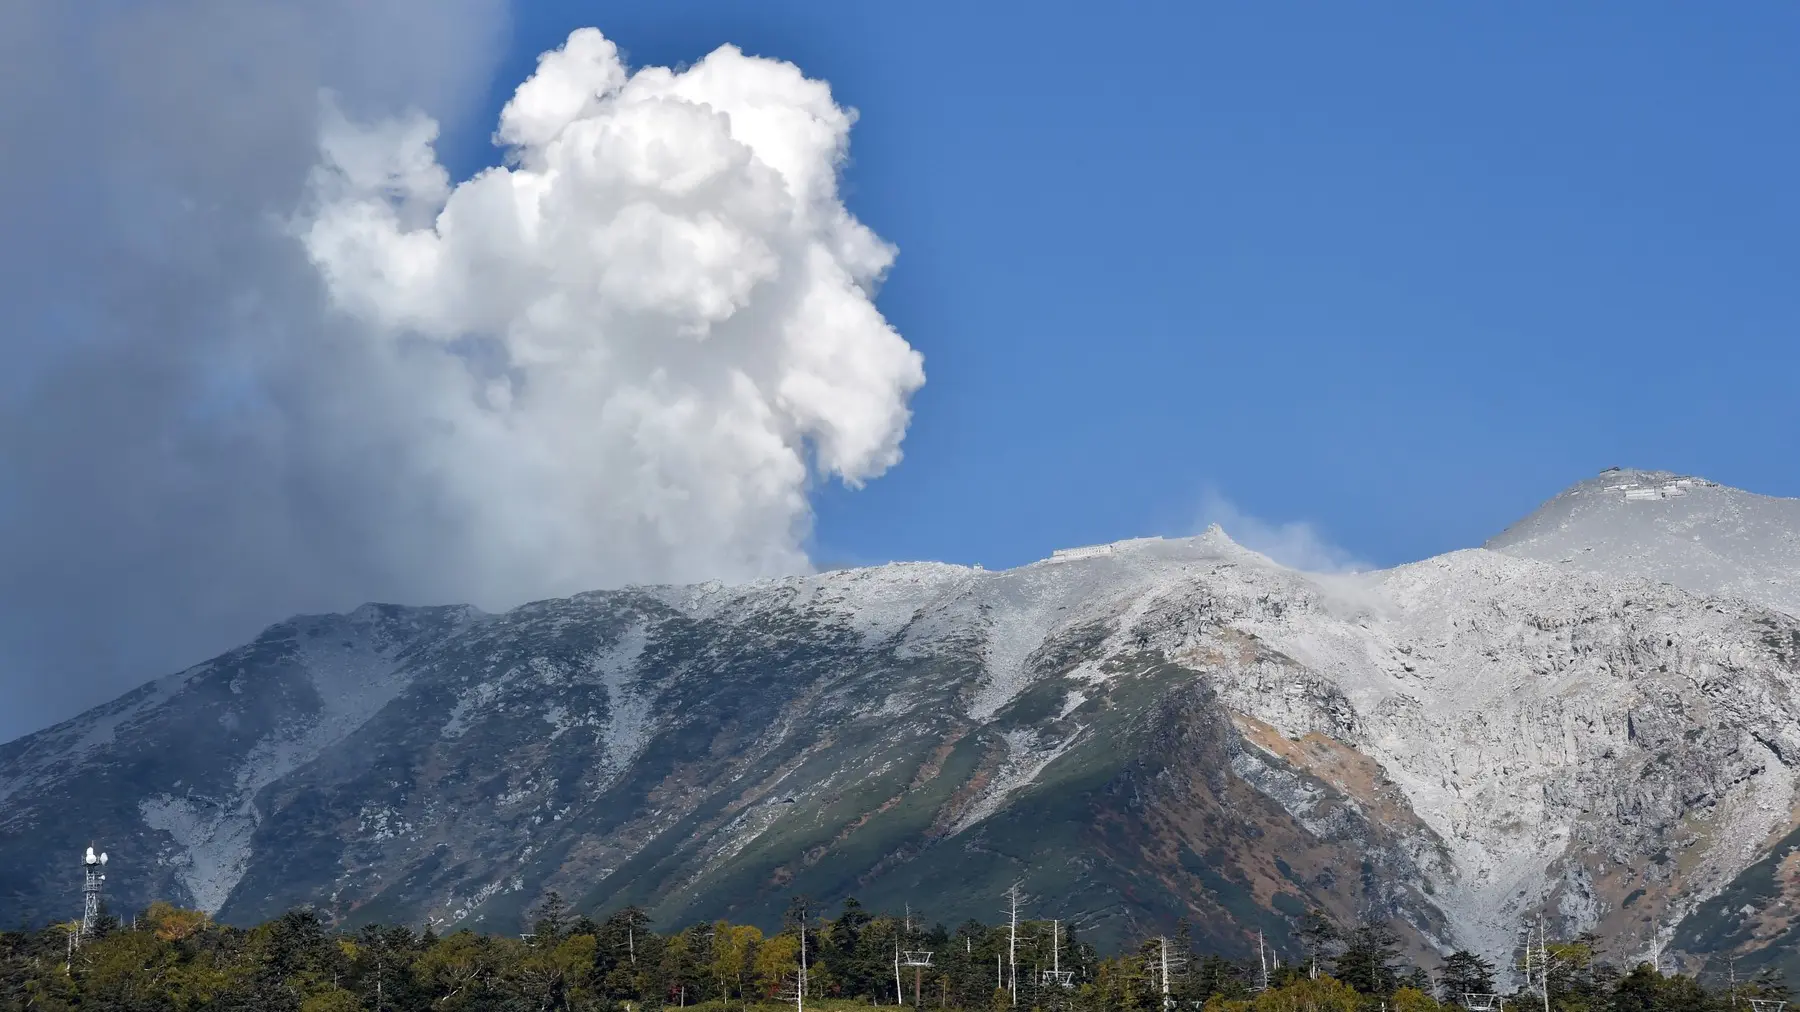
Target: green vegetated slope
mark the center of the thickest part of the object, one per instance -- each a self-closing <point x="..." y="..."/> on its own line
<point x="1755" y="922"/>
<point x="1138" y="823"/>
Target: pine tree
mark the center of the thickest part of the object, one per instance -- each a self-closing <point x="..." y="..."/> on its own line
<point x="1464" y="973"/>
<point x="1369" y="960"/>
<point x="1319" y="936"/>
<point x="1769" y="982"/>
<point x="1215" y="975"/>
<point x="550" y="920"/>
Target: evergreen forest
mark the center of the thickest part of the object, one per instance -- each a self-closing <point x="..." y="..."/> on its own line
<point x="167" y="959"/>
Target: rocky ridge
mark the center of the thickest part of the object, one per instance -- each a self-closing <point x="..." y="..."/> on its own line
<point x="1142" y="731"/>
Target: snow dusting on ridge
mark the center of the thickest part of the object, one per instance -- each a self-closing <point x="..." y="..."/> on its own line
<point x="1516" y="698"/>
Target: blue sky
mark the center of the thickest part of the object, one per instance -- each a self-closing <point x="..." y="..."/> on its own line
<point x="1394" y="273"/>
<point x="1400" y="271"/>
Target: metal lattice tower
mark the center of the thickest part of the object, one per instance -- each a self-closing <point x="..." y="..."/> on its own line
<point x="93" y="874"/>
<point x="1482" y="1002"/>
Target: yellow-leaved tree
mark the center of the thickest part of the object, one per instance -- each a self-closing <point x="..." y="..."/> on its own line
<point x="172" y="923"/>
<point x="1411" y="999"/>
<point x="776" y="959"/>
<point x="734" y="950"/>
<point x="1316" y="995"/>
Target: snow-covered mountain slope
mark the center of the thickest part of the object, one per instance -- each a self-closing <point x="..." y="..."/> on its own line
<point x="1143" y="731"/>
<point x="1696" y="534"/>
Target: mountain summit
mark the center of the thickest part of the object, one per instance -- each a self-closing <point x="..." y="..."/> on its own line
<point x="1140" y="732"/>
<point x="1678" y="529"/>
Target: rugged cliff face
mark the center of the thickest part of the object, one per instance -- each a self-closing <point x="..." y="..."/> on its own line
<point x="1145" y="731"/>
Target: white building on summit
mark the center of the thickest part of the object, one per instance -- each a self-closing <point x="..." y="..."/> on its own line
<point x="1095" y="551"/>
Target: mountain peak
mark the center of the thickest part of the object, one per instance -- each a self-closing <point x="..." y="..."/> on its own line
<point x="1673" y="528"/>
<point x="1178" y="710"/>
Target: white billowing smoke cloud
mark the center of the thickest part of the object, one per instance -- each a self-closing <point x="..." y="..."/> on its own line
<point x="1295" y="544"/>
<point x="630" y="338"/>
<point x="254" y="371"/>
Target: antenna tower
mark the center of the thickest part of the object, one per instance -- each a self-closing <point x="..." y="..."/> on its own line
<point x="93" y="874"/>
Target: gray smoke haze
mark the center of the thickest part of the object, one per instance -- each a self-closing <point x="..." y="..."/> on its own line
<point x="164" y="484"/>
<point x="265" y="356"/>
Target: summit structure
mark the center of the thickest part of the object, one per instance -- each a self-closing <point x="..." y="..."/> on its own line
<point x="1678" y="529"/>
